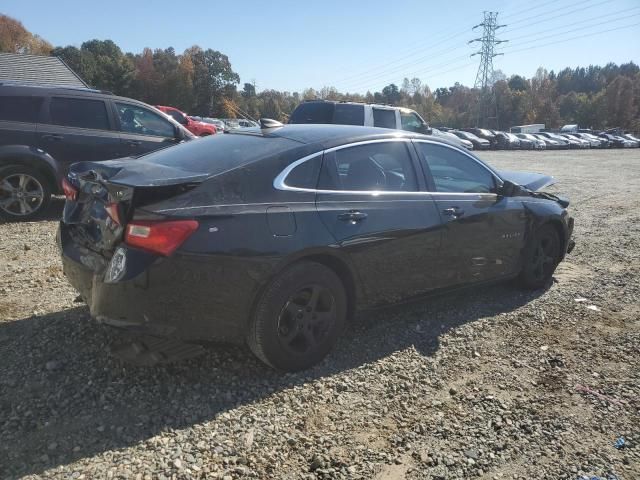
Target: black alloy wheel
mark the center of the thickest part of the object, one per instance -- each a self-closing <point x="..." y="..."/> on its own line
<point x="299" y="317"/>
<point x="306" y="318"/>
<point x="541" y="258"/>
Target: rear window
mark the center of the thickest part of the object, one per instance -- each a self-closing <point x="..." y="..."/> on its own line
<point x="313" y="112"/>
<point x="79" y="112"/>
<point x="20" y="109"/>
<point x="220" y="153"/>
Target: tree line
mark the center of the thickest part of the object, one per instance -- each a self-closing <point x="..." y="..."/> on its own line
<point x="203" y="82"/>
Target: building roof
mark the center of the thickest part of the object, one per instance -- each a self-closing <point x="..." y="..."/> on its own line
<point x="37" y="70"/>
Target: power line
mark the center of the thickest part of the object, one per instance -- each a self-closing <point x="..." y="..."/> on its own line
<point x="575" y="38"/>
<point x="517" y="14"/>
<point x="537" y="39"/>
<point x="550" y="12"/>
<point x="386" y="68"/>
<point x="582" y="21"/>
<point x="429" y="45"/>
<point x="393" y="71"/>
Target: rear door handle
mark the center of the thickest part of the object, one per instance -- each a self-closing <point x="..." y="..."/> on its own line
<point x="453" y="212"/>
<point x="352" y="216"/>
<point x="53" y="137"/>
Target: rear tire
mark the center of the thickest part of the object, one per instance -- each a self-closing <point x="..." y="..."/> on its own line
<point x="25" y="193"/>
<point x="541" y="257"/>
<point x="299" y="317"/>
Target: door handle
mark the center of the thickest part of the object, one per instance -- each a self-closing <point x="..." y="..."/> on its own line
<point x="53" y="137"/>
<point x="134" y="143"/>
<point x="352" y="216"/>
<point x="453" y="212"/>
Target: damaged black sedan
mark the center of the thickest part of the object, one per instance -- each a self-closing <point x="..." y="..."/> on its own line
<point x="276" y="236"/>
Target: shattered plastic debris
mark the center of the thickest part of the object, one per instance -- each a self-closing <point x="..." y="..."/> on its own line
<point x="580" y="299"/>
<point x="620" y="443"/>
<point x="594" y="308"/>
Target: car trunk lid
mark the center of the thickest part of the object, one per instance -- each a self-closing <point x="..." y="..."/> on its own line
<point x="107" y="194"/>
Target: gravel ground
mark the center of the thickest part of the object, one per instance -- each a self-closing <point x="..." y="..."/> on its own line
<point x="493" y="383"/>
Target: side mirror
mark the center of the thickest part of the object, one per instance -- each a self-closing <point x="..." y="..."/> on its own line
<point x="426" y="129"/>
<point x="509" y="189"/>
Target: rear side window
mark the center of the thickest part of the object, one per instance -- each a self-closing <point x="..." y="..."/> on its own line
<point x="348" y="114"/>
<point x="305" y="175"/>
<point x="313" y="112"/>
<point x="79" y="112"/>
<point x="20" y="109"/>
<point x="384" y="118"/>
<point x="384" y="166"/>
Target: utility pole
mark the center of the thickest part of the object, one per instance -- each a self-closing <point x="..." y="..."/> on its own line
<point x="487" y="100"/>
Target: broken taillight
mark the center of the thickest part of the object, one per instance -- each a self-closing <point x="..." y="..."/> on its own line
<point x="70" y="192"/>
<point x="162" y="237"/>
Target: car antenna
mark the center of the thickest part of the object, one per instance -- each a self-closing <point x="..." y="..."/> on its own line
<point x="270" y="123"/>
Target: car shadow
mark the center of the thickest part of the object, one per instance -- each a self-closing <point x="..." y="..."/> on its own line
<point x="63" y="397"/>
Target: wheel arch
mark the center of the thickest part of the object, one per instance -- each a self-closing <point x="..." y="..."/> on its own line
<point x="339" y="266"/>
<point x="27" y="156"/>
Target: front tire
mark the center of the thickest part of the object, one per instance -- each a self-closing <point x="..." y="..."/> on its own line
<point x="24" y="193"/>
<point x="299" y="317"/>
<point x="541" y="257"/>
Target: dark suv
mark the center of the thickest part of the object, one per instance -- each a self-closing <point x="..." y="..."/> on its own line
<point x="43" y="130"/>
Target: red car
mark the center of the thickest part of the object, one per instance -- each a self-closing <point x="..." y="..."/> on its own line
<point x="200" y="129"/>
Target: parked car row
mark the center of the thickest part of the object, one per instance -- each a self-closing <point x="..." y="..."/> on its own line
<point x="485" y="139"/>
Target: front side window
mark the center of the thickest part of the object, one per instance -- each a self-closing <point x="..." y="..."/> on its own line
<point x="411" y="122"/>
<point x="135" y="119"/>
<point x="79" y="112"/>
<point x="20" y="108"/>
<point x="383" y="166"/>
<point x="455" y="172"/>
<point x="384" y="118"/>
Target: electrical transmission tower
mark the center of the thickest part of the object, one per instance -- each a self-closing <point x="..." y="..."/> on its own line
<point x="487" y="100"/>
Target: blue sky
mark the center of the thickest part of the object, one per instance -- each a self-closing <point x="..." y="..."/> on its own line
<point x="354" y="46"/>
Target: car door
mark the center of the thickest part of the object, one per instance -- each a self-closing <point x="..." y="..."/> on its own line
<point x="76" y="129"/>
<point x="142" y="130"/>
<point x="369" y="199"/>
<point x="485" y="232"/>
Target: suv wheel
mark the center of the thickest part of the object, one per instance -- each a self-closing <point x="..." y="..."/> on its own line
<point x="24" y="193"/>
<point x="299" y="317"/>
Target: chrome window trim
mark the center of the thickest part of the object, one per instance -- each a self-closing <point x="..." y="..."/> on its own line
<point x="280" y="184"/>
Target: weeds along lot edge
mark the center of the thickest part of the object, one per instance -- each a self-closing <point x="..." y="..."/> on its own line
<point x="487" y="383"/>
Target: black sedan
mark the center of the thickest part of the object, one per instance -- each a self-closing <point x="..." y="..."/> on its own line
<point x="275" y="236"/>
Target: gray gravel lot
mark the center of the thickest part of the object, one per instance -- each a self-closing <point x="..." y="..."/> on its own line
<point x="491" y="383"/>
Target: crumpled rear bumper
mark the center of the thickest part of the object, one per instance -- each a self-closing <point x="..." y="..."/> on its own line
<point x="184" y="297"/>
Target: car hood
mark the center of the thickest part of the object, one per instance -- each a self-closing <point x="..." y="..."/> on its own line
<point x="532" y="181"/>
